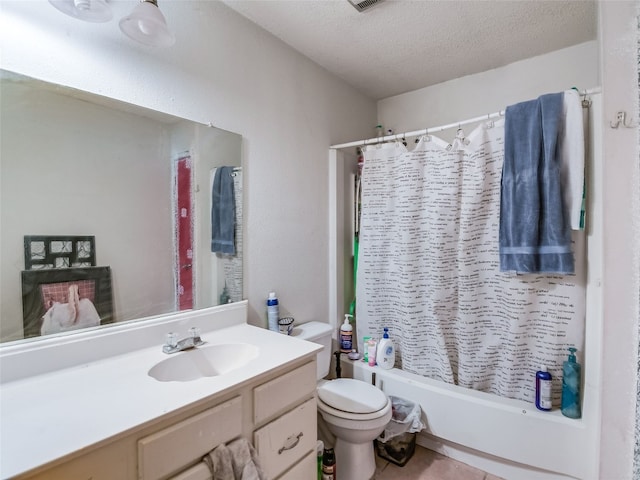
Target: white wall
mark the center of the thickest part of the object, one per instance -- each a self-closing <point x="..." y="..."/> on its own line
<point x="225" y="70"/>
<point x="491" y="91"/>
<point x="618" y="31"/>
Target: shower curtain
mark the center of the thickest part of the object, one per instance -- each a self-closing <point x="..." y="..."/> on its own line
<point x="429" y="271"/>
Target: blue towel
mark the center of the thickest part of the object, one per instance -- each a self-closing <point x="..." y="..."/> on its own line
<point x="223" y="212"/>
<point x="535" y="235"/>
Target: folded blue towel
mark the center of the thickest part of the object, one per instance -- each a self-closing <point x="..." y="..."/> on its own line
<point x="535" y="236"/>
<point x="223" y="212"/>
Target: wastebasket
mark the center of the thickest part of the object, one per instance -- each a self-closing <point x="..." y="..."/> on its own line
<point x="397" y="443"/>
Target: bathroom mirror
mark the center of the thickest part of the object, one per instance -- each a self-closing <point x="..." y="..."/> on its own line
<point x="96" y="190"/>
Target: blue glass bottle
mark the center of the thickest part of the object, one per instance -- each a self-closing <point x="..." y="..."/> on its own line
<point x="571" y="386"/>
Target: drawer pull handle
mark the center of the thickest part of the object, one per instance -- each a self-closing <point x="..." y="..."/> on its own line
<point x="290" y="443"/>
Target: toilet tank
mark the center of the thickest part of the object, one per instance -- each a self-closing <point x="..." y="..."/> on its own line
<point x="317" y="332"/>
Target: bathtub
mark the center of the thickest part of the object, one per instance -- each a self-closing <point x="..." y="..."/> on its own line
<point x="507" y="438"/>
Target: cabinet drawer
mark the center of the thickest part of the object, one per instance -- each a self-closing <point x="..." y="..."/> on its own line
<point x="286" y="440"/>
<point x="280" y="393"/>
<point x="175" y="447"/>
<point x="197" y="472"/>
<point x="306" y="468"/>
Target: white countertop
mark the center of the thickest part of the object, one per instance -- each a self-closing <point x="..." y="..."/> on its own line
<point x="52" y="415"/>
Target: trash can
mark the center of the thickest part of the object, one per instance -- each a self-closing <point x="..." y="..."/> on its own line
<point x="397" y="443"/>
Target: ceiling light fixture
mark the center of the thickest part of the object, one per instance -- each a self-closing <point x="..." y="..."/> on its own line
<point x="96" y="11"/>
<point x="147" y="25"/>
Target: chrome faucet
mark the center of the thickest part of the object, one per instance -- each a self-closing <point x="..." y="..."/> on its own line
<point x="173" y="345"/>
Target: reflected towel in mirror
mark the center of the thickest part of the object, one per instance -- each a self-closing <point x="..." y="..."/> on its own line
<point x="223" y="212"/>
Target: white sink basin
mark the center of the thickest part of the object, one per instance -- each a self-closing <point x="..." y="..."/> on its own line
<point x="206" y="361"/>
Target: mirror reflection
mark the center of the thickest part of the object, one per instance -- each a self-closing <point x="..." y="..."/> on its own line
<point x="111" y="212"/>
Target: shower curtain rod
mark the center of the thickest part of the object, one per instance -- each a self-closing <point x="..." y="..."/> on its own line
<point x="426" y="131"/>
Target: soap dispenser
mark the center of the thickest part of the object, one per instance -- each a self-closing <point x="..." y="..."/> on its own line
<point x="570" y="406"/>
<point x="346" y="335"/>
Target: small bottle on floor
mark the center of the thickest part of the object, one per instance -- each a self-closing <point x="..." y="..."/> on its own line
<point x="329" y="464"/>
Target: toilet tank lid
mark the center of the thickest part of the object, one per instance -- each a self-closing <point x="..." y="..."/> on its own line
<point x="354" y="396"/>
<point x="311" y="330"/>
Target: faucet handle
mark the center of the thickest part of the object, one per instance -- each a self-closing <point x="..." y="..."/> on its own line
<point x="194" y="333"/>
<point x="172" y="340"/>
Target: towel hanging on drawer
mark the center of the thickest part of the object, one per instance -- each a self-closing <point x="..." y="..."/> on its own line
<point x="236" y="461"/>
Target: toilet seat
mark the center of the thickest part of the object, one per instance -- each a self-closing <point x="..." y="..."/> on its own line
<point x="349" y="398"/>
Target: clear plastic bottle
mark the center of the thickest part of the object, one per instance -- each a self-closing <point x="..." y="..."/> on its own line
<point x="273" y="312"/>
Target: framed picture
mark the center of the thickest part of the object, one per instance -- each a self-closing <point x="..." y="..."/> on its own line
<point x="58" y="251"/>
<point x="66" y="299"/>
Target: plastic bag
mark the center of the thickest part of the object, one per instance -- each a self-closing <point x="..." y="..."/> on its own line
<point x="404" y="419"/>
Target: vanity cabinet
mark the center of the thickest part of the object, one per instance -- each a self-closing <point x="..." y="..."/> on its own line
<point x="275" y="411"/>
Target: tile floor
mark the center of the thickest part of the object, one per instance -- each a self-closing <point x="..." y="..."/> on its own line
<point x="429" y="465"/>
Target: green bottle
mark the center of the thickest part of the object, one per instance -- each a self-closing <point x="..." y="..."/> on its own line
<point x="319" y="452"/>
<point x="570" y="406"/>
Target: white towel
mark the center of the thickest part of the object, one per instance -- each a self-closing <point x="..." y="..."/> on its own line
<point x="245" y="460"/>
<point x="571" y="148"/>
<point x="219" y="463"/>
<point x="236" y="461"/>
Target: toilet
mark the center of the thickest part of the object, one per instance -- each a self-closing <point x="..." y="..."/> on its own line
<point x="354" y="411"/>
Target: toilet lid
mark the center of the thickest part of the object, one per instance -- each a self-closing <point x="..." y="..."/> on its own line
<point x="354" y="396"/>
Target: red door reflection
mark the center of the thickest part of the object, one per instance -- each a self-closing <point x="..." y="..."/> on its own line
<point x="184" y="233"/>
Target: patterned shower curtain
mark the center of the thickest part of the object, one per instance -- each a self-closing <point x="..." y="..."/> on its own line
<point x="428" y="269"/>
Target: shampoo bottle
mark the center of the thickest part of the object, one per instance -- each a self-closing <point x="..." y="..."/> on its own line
<point x="570" y="406"/>
<point x="273" y="312"/>
<point x="386" y="354"/>
<point x="543" y="389"/>
<point x="346" y="335"/>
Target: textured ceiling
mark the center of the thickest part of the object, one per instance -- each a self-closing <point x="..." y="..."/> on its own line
<point x="403" y="45"/>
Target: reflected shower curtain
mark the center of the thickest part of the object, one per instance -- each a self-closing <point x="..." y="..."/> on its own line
<point x="429" y="270"/>
<point x="232" y="265"/>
